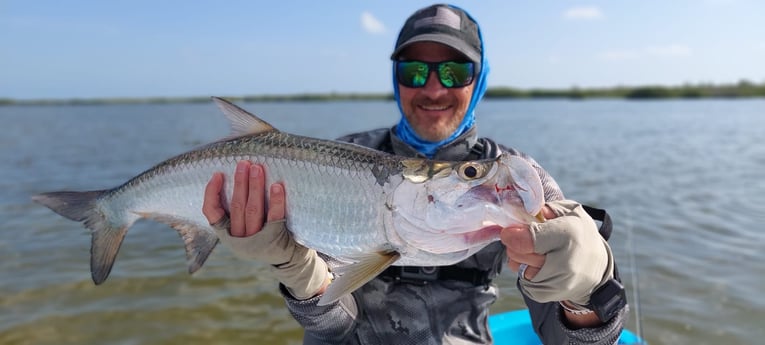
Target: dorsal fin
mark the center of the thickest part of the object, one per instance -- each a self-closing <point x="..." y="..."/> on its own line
<point x="242" y="122"/>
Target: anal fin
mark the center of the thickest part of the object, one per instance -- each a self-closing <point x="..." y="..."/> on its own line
<point x="199" y="242"/>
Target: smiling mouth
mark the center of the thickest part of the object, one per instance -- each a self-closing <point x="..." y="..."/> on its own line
<point x="434" y="107"/>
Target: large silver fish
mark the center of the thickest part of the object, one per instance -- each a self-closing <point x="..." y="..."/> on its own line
<point x="364" y="207"/>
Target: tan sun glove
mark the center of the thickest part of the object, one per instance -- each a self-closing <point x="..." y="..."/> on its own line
<point x="578" y="260"/>
<point x="300" y="269"/>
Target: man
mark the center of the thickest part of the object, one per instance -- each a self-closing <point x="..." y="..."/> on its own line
<point x="565" y="266"/>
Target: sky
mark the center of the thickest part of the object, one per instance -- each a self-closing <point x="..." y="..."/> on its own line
<point x="138" y="48"/>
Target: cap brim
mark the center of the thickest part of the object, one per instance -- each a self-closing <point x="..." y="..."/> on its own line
<point x="450" y="41"/>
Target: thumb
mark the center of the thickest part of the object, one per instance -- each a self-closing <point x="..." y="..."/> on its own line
<point x="559" y="232"/>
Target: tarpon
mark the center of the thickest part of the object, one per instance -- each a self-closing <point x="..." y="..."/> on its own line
<point x="364" y="207"/>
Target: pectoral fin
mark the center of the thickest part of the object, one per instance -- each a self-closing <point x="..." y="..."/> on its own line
<point x="355" y="275"/>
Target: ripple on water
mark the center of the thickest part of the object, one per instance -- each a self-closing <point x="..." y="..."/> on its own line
<point x="683" y="179"/>
<point x="163" y="310"/>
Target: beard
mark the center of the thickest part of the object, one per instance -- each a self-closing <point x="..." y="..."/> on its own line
<point x="435" y="119"/>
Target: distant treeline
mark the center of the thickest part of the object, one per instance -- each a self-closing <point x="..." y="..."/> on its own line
<point x="202" y="99"/>
<point x="742" y="89"/>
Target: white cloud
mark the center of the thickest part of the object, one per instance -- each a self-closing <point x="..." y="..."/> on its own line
<point x="553" y="59"/>
<point x="719" y="2"/>
<point x="618" y="55"/>
<point x="673" y="50"/>
<point x="667" y="51"/>
<point x="371" y="24"/>
<point x="583" y="13"/>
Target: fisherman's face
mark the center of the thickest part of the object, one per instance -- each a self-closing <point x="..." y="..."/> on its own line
<point x="434" y="111"/>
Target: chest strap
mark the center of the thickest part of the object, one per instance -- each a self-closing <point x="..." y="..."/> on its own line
<point x="423" y="275"/>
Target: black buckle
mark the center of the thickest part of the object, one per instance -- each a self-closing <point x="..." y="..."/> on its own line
<point x="417" y="275"/>
<point x="471" y="275"/>
<point x="423" y="275"/>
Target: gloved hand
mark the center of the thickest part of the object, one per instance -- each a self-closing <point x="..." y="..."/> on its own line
<point x="577" y="259"/>
<point x="253" y="234"/>
<point x="300" y="269"/>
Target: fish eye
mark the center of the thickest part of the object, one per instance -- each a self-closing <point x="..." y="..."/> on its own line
<point x="470" y="171"/>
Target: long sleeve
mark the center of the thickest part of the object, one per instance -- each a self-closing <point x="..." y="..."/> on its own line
<point x="547" y="321"/>
<point x="547" y="317"/>
<point x="385" y="311"/>
<point x="329" y="324"/>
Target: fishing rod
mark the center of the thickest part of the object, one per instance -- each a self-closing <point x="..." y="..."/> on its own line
<point x="635" y="280"/>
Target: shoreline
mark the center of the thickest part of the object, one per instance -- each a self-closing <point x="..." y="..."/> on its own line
<point x="740" y="90"/>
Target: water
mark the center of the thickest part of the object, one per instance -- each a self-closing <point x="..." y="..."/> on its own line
<point x="684" y="178"/>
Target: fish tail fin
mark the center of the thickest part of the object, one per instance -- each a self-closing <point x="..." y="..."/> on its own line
<point x="76" y="206"/>
<point x="107" y="234"/>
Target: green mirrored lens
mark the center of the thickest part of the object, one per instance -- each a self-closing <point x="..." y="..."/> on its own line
<point x="413" y="73"/>
<point x="455" y="74"/>
<point x="451" y="74"/>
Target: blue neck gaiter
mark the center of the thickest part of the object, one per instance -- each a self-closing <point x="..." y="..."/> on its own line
<point x="404" y="130"/>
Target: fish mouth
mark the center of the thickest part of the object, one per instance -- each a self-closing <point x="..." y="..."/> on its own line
<point x="525" y="184"/>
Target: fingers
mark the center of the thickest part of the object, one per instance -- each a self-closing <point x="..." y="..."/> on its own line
<point x="248" y="200"/>
<point x="211" y="204"/>
<point x="518" y="239"/>
<point x="534" y="263"/>
<point x="239" y="198"/>
<point x="528" y="273"/>
<point x="533" y="260"/>
<point x="519" y="246"/>
<point x="277" y="204"/>
<point x="548" y="212"/>
<point x="256" y="196"/>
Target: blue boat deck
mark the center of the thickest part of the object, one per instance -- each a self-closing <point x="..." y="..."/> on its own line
<point x="514" y="327"/>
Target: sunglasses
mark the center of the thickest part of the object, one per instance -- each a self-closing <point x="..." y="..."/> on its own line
<point x="451" y="74"/>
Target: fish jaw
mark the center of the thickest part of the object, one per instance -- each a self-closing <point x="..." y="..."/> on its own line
<point x="450" y="213"/>
<point x="525" y="179"/>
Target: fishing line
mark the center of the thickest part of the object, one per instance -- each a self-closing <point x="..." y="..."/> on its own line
<point x="634" y="278"/>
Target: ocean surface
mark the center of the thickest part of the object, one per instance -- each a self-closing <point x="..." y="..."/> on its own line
<point x="683" y="180"/>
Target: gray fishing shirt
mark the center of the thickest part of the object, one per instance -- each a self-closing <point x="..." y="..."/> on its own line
<point x="386" y="311"/>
